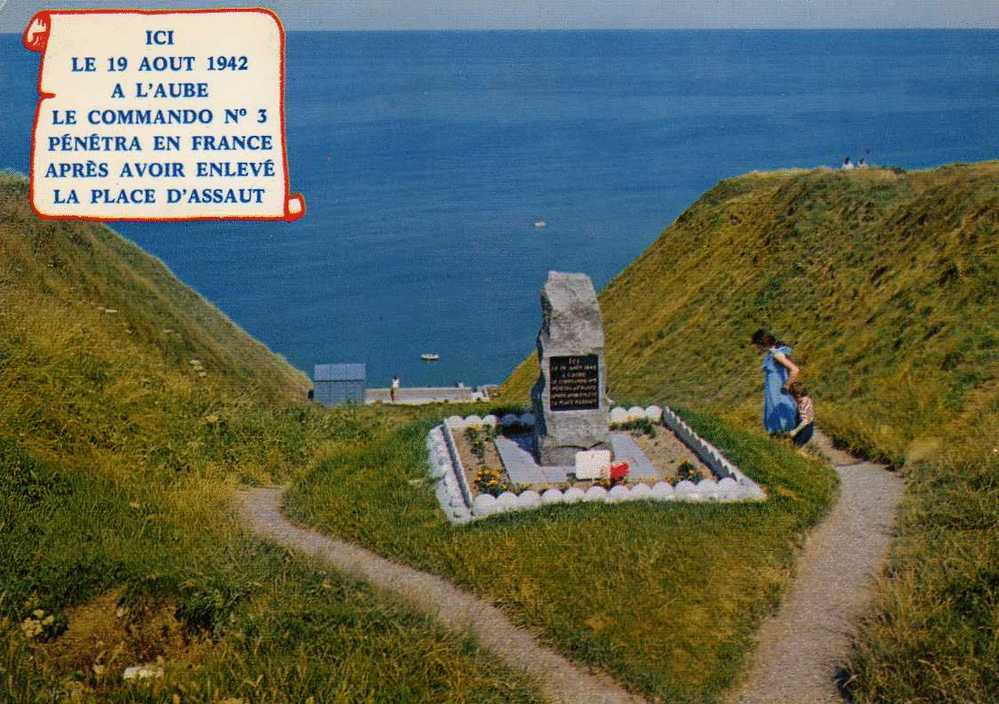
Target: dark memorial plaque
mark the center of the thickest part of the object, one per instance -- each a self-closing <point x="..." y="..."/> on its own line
<point x="575" y="383"/>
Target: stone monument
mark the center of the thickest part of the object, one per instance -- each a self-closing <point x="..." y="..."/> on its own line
<point x="569" y="397"/>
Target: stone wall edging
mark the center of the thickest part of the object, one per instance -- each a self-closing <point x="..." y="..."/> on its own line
<point x="458" y="469"/>
<point x="711" y="455"/>
<point x="455" y="496"/>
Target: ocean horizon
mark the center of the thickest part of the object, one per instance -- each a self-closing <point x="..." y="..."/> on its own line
<point x="425" y="158"/>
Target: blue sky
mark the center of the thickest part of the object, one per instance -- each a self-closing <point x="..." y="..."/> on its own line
<point x="577" y="14"/>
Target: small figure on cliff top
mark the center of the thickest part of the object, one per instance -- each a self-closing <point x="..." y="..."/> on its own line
<point x="394" y="388"/>
<point x="847" y="164"/>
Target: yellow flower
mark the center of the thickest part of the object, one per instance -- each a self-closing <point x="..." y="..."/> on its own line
<point x="31" y="628"/>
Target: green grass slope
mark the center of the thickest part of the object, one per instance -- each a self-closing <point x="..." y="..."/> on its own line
<point x="885" y="284"/>
<point x="664" y="597"/>
<point x="129" y="411"/>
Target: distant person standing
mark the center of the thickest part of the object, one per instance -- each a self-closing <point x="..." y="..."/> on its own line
<point x="847" y="164"/>
<point x="780" y="412"/>
<point x="394" y="388"/>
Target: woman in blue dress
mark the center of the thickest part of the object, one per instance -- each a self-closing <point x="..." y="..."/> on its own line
<point x="780" y="412"/>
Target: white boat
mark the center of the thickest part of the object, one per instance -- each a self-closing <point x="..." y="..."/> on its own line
<point x="539" y="224"/>
<point x="429" y="357"/>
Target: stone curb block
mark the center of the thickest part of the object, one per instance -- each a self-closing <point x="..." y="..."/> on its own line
<point x="640" y="491"/>
<point x="507" y="501"/>
<point x="707" y="488"/>
<point x="618" y="493"/>
<point x="595" y="493"/>
<point x="662" y="491"/>
<point x="573" y="495"/>
<point x="528" y="499"/>
<point x="485" y="505"/>
<point x="552" y="496"/>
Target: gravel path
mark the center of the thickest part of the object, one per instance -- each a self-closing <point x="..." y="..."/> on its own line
<point x="802" y="647"/>
<point x="561" y="680"/>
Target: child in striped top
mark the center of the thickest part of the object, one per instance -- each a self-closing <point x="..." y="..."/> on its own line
<point x="803" y="432"/>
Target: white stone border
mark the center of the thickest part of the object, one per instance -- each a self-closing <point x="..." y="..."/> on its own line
<point x="711" y="456"/>
<point x="456" y="465"/>
<point x="455" y="496"/>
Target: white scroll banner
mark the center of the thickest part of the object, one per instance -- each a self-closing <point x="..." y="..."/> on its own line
<point x="160" y="115"/>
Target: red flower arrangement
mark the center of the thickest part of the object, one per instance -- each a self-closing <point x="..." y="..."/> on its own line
<point x="618" y="471"/>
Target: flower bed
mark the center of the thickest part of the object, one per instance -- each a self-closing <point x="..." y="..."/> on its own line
<point x="465" y="495"/>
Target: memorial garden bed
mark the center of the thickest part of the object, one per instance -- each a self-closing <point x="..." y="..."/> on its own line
<point x="664" y="448"/>
<point x="476" y="474"/>
<point x="484" y="472"/>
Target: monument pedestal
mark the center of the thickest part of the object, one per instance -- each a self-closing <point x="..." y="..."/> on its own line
<point x="569" y="397"/>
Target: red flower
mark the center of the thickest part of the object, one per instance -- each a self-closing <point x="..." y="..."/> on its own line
<point x="618" y="471"/>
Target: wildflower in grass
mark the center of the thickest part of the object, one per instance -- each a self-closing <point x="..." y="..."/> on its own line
<point x="74" y="690"/>
<point x="31" y="628"/>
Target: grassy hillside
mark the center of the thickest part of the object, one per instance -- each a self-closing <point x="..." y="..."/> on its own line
<point x="885" y="284"/>
<point x="130" y="410"/>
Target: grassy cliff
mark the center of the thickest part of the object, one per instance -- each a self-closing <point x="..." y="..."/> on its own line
<point x="131" y="409"/>
<point x="885" y="284"/>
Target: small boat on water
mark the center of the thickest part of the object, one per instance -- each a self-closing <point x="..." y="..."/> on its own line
<point x="430" y="357"/>
<point x="539" y="224"/>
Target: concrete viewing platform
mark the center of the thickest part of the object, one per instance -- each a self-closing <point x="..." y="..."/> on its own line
<point x="417" y="395"/>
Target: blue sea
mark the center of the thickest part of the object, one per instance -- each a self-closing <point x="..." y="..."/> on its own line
<point x="426" y="157"/>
